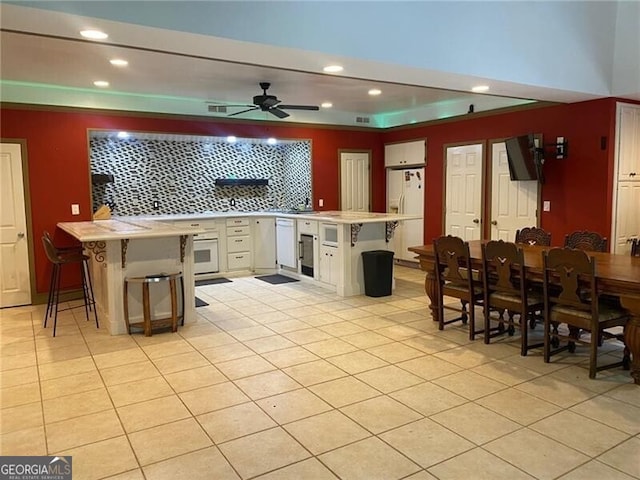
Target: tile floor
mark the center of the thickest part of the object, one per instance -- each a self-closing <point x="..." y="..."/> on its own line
<point x="292" y="382"/>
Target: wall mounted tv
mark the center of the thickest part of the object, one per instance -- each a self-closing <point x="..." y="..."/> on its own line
<point x="523" y="158"/>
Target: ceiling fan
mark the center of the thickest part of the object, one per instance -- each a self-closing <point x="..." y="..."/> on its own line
<point x="271" y="104"/>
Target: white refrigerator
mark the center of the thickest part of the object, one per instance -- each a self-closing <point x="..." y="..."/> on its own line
<point x="405" y="194"/>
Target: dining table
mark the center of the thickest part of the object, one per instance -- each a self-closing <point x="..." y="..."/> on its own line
<point x="616" y="274"/>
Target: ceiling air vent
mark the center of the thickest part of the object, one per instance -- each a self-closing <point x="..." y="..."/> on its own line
<point x="217" y="108"/>
<point x="362" y="119"/>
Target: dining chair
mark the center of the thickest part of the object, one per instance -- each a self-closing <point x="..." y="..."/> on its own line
<point x="506" y="289"/>
<point x="574" y="301"/>
<point x="533" y="236"/>
<point x="585" y="240"/>
<point x="456" y="278"/>
<point x="635" y="247"/>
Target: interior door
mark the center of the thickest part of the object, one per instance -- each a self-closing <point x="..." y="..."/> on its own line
<point x="15" y="281"/>
<point x="463" y="195"/>
<point x="354" y="181"/>
<point x="513" y="204"/>
<point x="627" y="221"/>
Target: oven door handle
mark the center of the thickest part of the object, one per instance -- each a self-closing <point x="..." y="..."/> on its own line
<point x="300" y="250"/>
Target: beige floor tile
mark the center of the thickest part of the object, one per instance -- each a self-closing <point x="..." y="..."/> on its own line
<point x="353" y="313"/>
<point x="341" y="329"/>
<point x="307" y="335"/>
<point x="465" y="356"/>
<point x="122" y="357"/>
<point x="596" y="470"/>
<point x="206" y="464"/>
<point x="624" y="457"/>
<point x="102" y="459"/>
<point x="19" y="395"/>
<point x="180" y="362"/>
<point x="469" y="385"/>
<point x="18" y="348"/>
<point x="311" y="373"/>
<point x="505" y="372"/>
<point x="129" y="475"/>
<point x="28" y="441"/>
<point x="518" y="406"/>
<point x="267" y="384"/>
<point x="269" y="344"/>
<point x="428" y="398"/>
<point x="399" y="332"/>
<point x="61" y="354"/>
<point x="556" y="391"/>
<point x="609" y="411"/>
<point x="389" y="379"/>
<point x="626" y="393"/>
<point x="429" y="343"/>
<point x="251" y="333"/>
<point x="83" y="430"/>
<point x="292" y="406"/>
<point x="306" y="469"/>
<point x="169" y="440"/>
<point x="111" y="344"/>
<point x="330" y="347"/>
<point x="373" y="323"/>
<point x="225" y="353"/>
<point x="152" y="413"/>
<point x="234" y="422"/>
<point x="214" y="397"/>
<point x="475" y="423"/>
<point x="140" y="391"/>
<point x="587" y="436"/>
<point x="244" y="367"/>
<point x="75" y="405"/>
<point x="263" y="452"/>
<point x="484" y="466"/>
<point x="337" y="431"/>
<point x="344" y="391"/>
<point x="429" y="367"/>
<point x="289" y="325"/>
<point x="357" y="362"/>
<point x="65" y="368"/>
<point x="366" y="339"/>
<point x="395" y="352"/>
<point x="368" y="459"/>
<point x="211" y="340"/>
<point x="17" y="361"/>
<point x="195" y="378"/>
<point x="18" y="376"/>
<point x="81" y="382"/>
<point x="165" y="349"/>
<point x="380" y="414"/>
<point x="561" y="459"/>
<point x="21" y="417"/>
<point x="129" y="373"/>
<point x="579" y="375"/>
<point x="290" y="356"/>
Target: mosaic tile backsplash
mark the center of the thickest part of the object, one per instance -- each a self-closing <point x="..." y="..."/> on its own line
<point x="160" y="176"/>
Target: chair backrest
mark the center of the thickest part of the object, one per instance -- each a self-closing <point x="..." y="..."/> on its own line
<point x="569" y="279"/>
<point x="49" y="248"/>
<point x="533" y="236"/>
<point x="635" y="247"/>
<point x="585" y="240"/>
<point x="503" y="268"/>
<point x="453" y="260"/>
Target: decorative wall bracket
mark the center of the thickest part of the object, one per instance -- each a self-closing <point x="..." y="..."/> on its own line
<point x="124" y="244"/>
<point x="183" y="246"/>
<point x="390" y="228"/>
<point x="355" y="230"/>
<point x="99" y="249"/>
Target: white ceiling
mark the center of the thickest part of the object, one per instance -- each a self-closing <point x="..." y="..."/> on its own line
<point x="44" y="61"/>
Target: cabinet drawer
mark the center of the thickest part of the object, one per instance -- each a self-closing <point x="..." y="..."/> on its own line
<point x="239" y="261"/>
<point x="239" y="230"/>
<point x="239" y="244"/>
<point x="237" y="222"/>
<point x="308" y="226"/>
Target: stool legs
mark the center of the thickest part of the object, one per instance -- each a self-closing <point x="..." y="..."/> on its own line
<point x="174" y="305"/>
<point x="146" y="308"/>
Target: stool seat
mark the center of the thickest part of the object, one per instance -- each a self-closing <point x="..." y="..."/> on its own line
<point x="147" y="321"/>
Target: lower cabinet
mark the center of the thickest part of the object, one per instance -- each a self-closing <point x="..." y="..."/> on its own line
<point x="329" y="266"/>
<point x="238" y="244"/>
<point x="264" y="243"/>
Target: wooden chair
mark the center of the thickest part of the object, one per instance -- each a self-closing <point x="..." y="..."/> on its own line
<point x="506" y="289"/>
<point x="533" y="236"/>
<point x="455" y="278"/>
<point x="574" y="301"/>
<point x="635" y="247"/>
<point x="584" y="240"/>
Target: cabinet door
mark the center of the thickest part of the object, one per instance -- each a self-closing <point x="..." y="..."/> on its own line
<point x="286" y="245"/>
<point x="628" y="220"/>
<point x="629" y="143"/>
<point x="393" y="155"/>
<point x="415" y="153"/>
<point x="264" y="243"/>
<point x="328" y="265"/>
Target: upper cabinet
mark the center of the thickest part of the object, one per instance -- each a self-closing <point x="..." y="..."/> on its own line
<point x="405" y="154"/>
<point x="629" y="143"/>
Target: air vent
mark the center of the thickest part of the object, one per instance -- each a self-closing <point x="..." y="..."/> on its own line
<point x="362" y="119"/>
<point x="217" y="108"/>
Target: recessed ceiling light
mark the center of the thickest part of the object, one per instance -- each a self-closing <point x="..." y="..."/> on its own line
<point x="272" y="141"/>
<point x="123" y="135"/>
<point x="118" y="62"/>
<point x="101" y="83"/>
<point x="326" y="105"/>
<point x="375" y="91"/>
<point x="480" y="88"/>
<point x="93" y="34"/>
<point x="231" y="139"/>
<point x="333" y="68"/>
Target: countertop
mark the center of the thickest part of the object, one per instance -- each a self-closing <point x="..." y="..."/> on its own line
<point x="119" y="228"/>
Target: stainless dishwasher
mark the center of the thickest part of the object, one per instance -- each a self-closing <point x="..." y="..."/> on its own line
<point x="306" y="255"/>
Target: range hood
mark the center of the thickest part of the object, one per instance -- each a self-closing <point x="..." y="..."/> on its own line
<point x="226" y="182"/>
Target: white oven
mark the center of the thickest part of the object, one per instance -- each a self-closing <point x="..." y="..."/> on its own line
<point x="205" y="253"/>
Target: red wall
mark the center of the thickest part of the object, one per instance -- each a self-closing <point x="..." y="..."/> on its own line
<point x="579" y="187"/>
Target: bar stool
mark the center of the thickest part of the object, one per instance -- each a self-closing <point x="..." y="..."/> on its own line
<point x="58" y="258"/>
<point x="147" y="321"/>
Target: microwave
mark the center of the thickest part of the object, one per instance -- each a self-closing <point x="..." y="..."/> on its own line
<point x="329" y="234"/>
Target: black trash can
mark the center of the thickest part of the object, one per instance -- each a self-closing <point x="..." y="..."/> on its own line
<point x="378" y="272"/>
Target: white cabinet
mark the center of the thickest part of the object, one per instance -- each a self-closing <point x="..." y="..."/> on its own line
<point x="264" y="243"/>
<point x="308" y="227"/>
<point x="629" y="143"/>
<point x="286" y="251"/>
<point x="329" y="265"/>
<point x="238" y="244"/>
<point x="405" y="154"/>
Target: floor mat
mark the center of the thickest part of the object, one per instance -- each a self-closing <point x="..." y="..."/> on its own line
<point x="200" y="303"/>
<point x="277" y="279"/>
<point x="212" y="281"/>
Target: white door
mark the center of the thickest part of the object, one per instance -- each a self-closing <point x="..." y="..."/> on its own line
<point x="628" y="217"/>
<point x="513" y="204"/>
<point x="15" y="282"/>
<point x="463" y="196"/>
<point x="354" y="179"/>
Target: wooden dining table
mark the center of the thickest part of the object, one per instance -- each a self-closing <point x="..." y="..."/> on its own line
<point x="617" y="275"/>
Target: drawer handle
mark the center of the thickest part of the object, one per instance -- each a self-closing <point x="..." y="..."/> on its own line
<point x="240" y="257"/>
<point x="238" y="241"/>
<point x="237" y="231"/>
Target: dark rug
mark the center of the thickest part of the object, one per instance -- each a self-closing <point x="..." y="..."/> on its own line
<point x="212" y="281"/>
<point x="200" y="303"/>
<point x="277" y="279"/>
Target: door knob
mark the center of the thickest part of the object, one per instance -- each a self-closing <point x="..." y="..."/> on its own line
<point x="476" y="220"/>
<point x="20" y="234"/>
<point x="494" y="222"/>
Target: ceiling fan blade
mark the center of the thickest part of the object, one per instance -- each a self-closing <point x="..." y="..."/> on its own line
<point x="242" y="111"/>
<point x="278" y="113"/>
<point x="299" y="107"/>
<point x="270" y="102"/>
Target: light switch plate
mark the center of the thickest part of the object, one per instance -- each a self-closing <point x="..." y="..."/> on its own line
<point x="75" y="209"/>
<point x="546" y="206"/>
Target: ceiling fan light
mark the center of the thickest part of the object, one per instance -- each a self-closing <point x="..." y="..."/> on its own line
<point x="93" y="34"/>
<point x="118" y="62"/>
<point x="333" y="69"/>
<point x="326" y="105"/>
<point x="375" y="91"/>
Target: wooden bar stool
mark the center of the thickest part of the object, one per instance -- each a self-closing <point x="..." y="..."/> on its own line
<point x="147" y="321"/>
